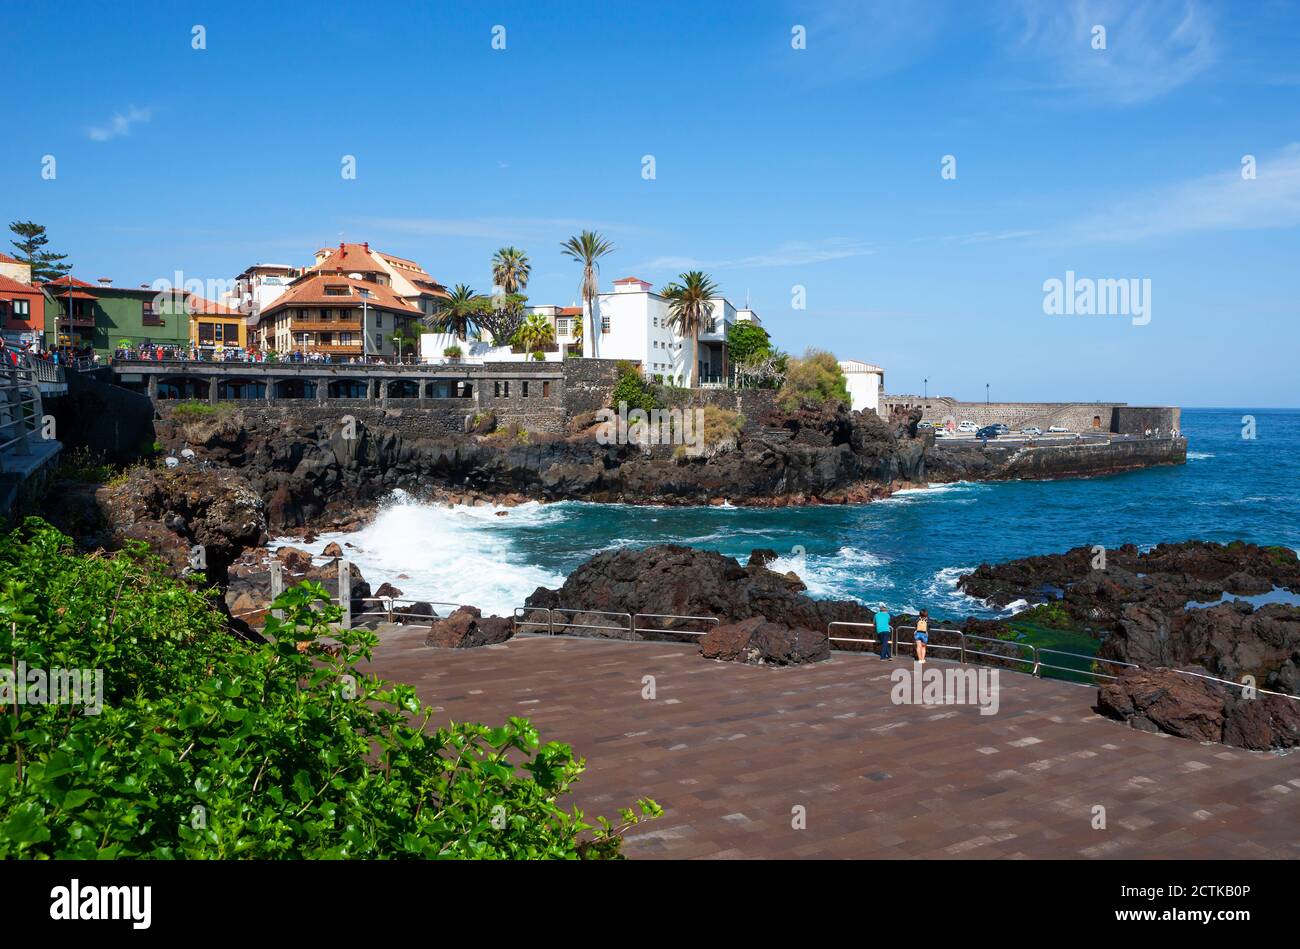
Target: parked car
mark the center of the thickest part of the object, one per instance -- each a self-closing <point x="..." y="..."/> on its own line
<point x="968" y="426"/>
<point x="942" y="433"/>
<point x="1031" y="430"/>
<point x="988" y="431"/>
<point x="1002" y="429"/>
<point x="925" y="425"/>
<point x="1057" y="429"/>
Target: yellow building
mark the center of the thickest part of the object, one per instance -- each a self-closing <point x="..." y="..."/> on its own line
<point x="214" y="328"/>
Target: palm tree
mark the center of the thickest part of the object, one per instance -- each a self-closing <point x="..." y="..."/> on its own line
<point x="587" y="248"/>
<point x="535" y="331"/>
<point x="511" y="269"/>
<point x="457" y="313"/>
<point x="690" y="308"/>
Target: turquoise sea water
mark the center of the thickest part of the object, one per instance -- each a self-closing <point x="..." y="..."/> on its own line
<point x="907" y="551"/>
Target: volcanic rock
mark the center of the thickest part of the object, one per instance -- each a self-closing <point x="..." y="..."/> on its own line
<point x="683" y="581"/>
<point x="467" y="628"/>
<point x="1162" y="700"/>
<point x="1190" y="707"/>
<point x="755" y="640"/>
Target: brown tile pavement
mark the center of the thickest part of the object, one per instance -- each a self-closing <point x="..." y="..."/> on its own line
<point x="728" y="750"/>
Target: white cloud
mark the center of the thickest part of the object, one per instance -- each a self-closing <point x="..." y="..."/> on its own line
<point x="987" y="237"/>
<point x="1152" y="48"/>
<point x="789" y="254"/>
<point x="1217" y="202"/>
<point x="120" y="124"/>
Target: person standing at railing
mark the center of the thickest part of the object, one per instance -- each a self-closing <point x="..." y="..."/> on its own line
<point x="883" y="632"/>
<point x="922" y="634"/>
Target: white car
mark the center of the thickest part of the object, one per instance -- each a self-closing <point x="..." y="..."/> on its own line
<point x="968" y="426"/>
<point x="1031" y="430"/>
<point x="1058" y="429"/>
<point x="942" y="433"/>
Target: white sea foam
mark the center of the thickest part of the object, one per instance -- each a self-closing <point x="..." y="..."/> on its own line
<point x="841" y="575"/>
<point x="1199" y="455"/>
<point x="448" y="554"/>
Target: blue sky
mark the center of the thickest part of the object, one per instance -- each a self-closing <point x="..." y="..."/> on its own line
<point x="775" y="167"/>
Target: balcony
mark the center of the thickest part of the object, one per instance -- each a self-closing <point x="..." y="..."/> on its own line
<point x="325" y="326"/>
<point x="334" y="349"/>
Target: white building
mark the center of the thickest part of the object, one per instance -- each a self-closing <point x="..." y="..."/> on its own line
<point x="865" y="383"/>
<point x="566" y="321"/>
<point x="633" y="323"/>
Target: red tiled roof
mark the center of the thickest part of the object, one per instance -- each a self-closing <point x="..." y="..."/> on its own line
<point x="68" y="280"/>
<point x="568" y="311"/>
<point x="310" y="291"/>
<point x="202" y="307"/>
<point x="6" y="259"/>
<point x="349" y="258"/>
<point x="9" y="285"/>
<point x="633" y="280"/>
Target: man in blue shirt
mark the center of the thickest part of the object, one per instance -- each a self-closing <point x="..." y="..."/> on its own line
<point x="882" y="632"/>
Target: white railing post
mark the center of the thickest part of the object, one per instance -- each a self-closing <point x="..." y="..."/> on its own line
<point x="345" y="593"/>
<point x="277" y="585"/>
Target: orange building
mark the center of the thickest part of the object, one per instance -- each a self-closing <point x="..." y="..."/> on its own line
<point x="214" y="327"/>
<point x="22" y="306"/>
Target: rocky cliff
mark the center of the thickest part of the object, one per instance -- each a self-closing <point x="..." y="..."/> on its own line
<point x="310" y="470"/>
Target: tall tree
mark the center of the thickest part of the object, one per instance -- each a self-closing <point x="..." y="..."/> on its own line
<point x="458" y="312"/>
<point x="690" y="308"/>
<point x="587" y="249"/>
<point x="45" y="265"/>
<point x="511" y="269"/>
<point x="535" y="331"/>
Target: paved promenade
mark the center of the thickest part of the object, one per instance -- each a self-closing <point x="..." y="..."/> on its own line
<point x="729" y="750"/>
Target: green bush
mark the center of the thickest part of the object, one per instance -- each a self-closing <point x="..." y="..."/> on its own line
<point x="633" y="389"/>
<point x="813" y="380"/>
<point x="191" y="410"/>
<point x="211" y="747"/>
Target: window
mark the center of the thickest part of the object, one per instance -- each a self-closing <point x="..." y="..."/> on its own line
<point x="546" y="388"/>
<point x="525" y="389"/>
<point x="506" y="388"/>
<point x="604" y="324"/>
<point x="562" y="327"/>
<point x="149" y="314"/>
<point x="379" y="320"/>
<point x="22" y="309"/>
<point x="496" y="389"/>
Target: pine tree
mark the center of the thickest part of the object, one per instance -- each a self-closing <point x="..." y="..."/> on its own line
<point x="45" y="265"/>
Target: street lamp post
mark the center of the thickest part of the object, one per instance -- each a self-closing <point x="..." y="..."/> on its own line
<point x="986" y="393"/>
<point x="926" y="390"/>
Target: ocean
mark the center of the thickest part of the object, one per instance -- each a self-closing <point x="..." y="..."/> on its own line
<point x="907" y="552"/>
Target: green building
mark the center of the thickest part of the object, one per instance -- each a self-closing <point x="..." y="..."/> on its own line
<point x="105" y="317"/>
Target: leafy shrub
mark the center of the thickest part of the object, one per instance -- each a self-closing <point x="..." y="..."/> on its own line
<point x="192" y="410"/>
<point x="211" y="747"/>
<point x="745" y="340"/>
<point x="452" y="352"/>
<point x="633" y="389"/>
<point x="813" y="380"/>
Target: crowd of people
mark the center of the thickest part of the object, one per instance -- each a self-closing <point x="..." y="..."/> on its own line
<point x="250" y="354"/>
<point x="58" y="355"/>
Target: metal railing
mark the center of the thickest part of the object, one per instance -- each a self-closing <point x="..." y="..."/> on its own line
<point x="393" y="614"/>
<point x="1033" y="657"/>
<point x="633" y="624"/>
<point x="20" y="402"/>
